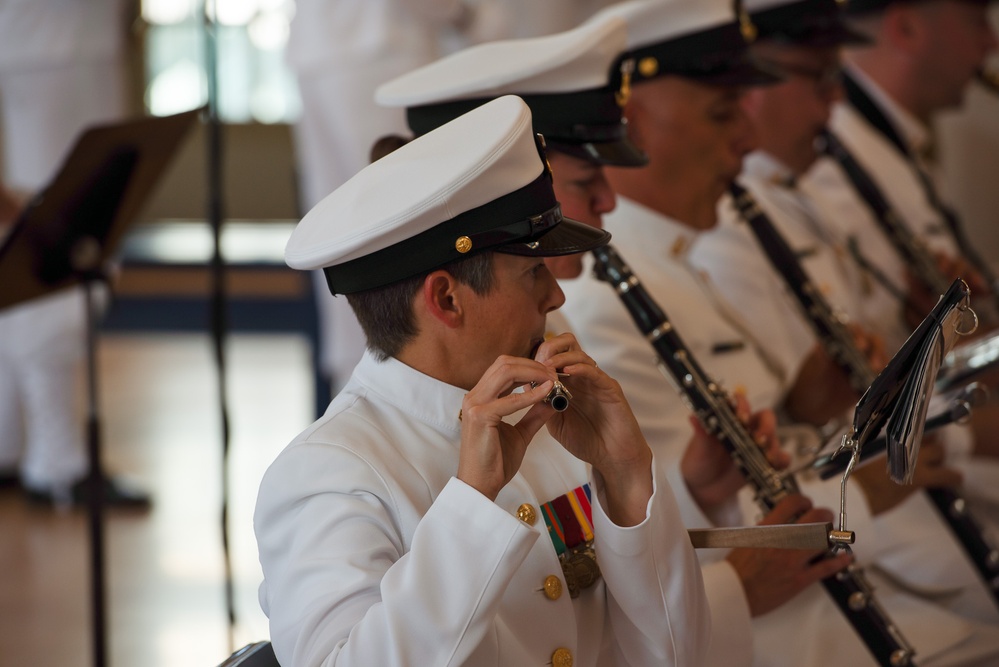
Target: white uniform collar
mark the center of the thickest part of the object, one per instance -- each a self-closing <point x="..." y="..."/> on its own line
<point x="644" y="222"/>
<point x="912" y="131"/>
<point x="764" y="167"/>
<point x="422" y="397"/>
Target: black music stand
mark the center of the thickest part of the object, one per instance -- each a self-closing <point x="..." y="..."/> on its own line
<point x="64" y="237"/>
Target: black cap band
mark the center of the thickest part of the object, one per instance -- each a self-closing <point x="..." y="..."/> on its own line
<point x="532" y="209"/>
<point x="816" y="23"/>
<point x="559" y="116"/>
<point x="717" y="55"/>
<point x="576" y="123"/>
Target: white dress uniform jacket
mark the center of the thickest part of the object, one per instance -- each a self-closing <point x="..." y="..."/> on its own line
<point x="740" y="269"/>
<point x="373" y="553"/>
<point x="898" y="181"/>
<point x="809" y="630"/>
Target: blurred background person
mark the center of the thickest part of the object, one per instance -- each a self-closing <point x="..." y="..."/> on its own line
<point x="61" y="70"/>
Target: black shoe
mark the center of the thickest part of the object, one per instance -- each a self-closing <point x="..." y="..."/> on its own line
<point x="117" y="494"/>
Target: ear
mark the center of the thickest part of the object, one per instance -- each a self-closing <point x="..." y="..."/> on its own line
<point x="442" y="300"/>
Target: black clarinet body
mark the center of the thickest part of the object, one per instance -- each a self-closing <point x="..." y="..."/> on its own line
<point x="829" y="328"/>
<point x="712" y="406"/>
<point x="912" y="250"/>
<point x="984" y="555"/>
<point x="827" y="323"/>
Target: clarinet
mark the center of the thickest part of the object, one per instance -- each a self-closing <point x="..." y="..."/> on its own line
<point x="706" y="399"/>
<point x="828" y="326"/>
<point x="913" y="251"/>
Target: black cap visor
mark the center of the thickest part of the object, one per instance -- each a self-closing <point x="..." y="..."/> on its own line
<point x="718" y="56"/>
<point x="602" y="145"/>
<point x="566" y="237"/>
<point x="615" y="153"/>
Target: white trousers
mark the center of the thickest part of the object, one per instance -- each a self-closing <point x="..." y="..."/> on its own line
<point x="42" y="342"/>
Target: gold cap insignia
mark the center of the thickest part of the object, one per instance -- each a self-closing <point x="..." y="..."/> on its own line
<point x="746" y="27"/>
<point x="463" y="244"/>
<point x="624" y="92"/>
<point x="543" y="152"/>
<point x="648" y="67"/>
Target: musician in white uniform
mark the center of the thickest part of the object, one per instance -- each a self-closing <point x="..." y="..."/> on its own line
<point x="564" y="78"/>
<point x="61" y="71"/>
<point x="913" y="543"/>
<point x="409" y="524"/>
<point x="696" y="133"/>
<point x="920" y="59"/>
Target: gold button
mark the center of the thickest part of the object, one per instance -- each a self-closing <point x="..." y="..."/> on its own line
<point x="527" y="514"/>
<point x="463" y="244"/>
<point x="553" y="587"/>
<point x="561" y="658"/>
<point x="648" y="67"/>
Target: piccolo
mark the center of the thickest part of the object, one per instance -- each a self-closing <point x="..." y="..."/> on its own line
<point x="558" y="396"/>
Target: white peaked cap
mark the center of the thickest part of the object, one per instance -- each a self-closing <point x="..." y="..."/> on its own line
<point x="564" y="78"/>
<point x="705" y="40"/>
<point x="476" y="183"/>
<point x="652" y="21"/>
<point x="578" y="59"/>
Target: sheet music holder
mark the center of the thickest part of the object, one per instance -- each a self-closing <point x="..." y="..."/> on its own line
<point x="898" y="398"/>
<point x="900" y="394"/>
<point x="65" y="236"/>
<point x="96" y="194"/>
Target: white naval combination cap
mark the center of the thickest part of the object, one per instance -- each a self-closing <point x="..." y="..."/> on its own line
<point x="564" y="78"/>
<point x="703" y="40"/>
<point x="480" y="182"/>
<point x="817" y="23"/>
